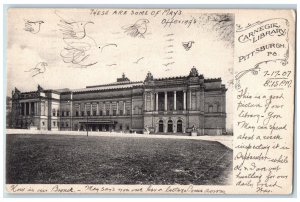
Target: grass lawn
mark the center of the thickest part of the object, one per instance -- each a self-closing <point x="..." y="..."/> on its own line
<point x="57" y="159"/>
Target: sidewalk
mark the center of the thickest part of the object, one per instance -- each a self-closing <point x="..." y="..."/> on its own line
<point x="225" y="140"/>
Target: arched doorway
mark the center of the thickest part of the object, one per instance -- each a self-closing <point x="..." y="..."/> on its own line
<point x="161" y="126"/>
<point x="179" y="126"/>
<point x="170" y="126"/>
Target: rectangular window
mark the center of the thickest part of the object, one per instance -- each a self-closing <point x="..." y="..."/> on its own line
<point x="53" y="123"/>
<point x="120" y="127"/>
<point x="88" y="113"/>
<point x="62" y="113"/>
<point x="107" y="112"/>
<point x="67" y="125"/>
<point x="101" y="113"/>
<point x="62" y="124"/>
<point x="77" y="113"/>
<point x="94" y="113"/>
<point x="82" y="113"/>
<point x="128" y="112"/>
<point x="121" y="112"/>
<point x="114" y="112"/>
<point x="68" y="113"/>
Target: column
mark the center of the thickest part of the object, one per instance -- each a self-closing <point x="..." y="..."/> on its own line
<point x="34" y="104"/>
<point x="36" y="108"/>
<point x="145" y="102"/>
<point x="104" y="110"/>
<point x="184" y="100"/>
<point x="97" y="112"/>
<point x="166" y="100"/>
<point x="174" y="100"/>
<point x="156" y="103"/>
<point x="151" y="102"/>
<point x="190" y="107"/>
<point x="110" y="111"/>
<point x="117" y="108"/>
<point x="91" y="113"/>
<point x="25" y="109"/>
<point x="85" y="108"/>
<point x="29" y="111"/>
<point x="124" y="107"/>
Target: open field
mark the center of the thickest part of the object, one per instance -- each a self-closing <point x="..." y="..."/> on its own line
<point x="57" y="159"/>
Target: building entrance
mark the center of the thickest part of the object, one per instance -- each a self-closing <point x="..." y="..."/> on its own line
<point x="170" y="126"/>
<point x="161" y="126"/>
<point x="179" y="126"/>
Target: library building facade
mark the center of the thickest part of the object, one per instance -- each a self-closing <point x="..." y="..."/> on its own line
<point x="179" y="105"/>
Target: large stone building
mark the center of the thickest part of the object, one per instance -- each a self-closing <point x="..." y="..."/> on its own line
<point x="156" y="105"/>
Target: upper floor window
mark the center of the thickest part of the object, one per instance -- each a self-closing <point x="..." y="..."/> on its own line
<point x="94" y="113"/>
<point x="68" y="113"/>
<point x="77" y="113"/>
<point x="128" y="112"/>
<point x="114" y="112"/>
<point x="107" y="112"/>
<point x="121" y="112"/>
<point x="53" y="112"/>
<point x="82" y="113"/>
<point x="210" y="108"/>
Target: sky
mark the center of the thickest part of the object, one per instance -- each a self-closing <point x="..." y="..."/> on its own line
<point x="112" y="50"/>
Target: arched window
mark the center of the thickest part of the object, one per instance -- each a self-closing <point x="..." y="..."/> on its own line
<point x="161" y="126"/>
<point x="170" y="126"/>
<point x="179" y="126"/>
<point x="219" y="108"/>
<point x="210" y="108"/>
<point x="53" y="112"/>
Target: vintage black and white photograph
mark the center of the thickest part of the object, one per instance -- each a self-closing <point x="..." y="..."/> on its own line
<point x="119" y="96"/>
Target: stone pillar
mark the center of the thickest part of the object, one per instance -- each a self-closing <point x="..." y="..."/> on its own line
<point x="29" y="111"/>
<point x="85" y="109"/>
<point x="117" y="108"/>
<point x="156" y="102"/>
<point x="37" y="108"/>
<point x="184" y="100"/>
<point x="124" y="108"/>
<point x="91" y="109"/>
<point x="145" y="102"/>
<point x="190" y="100"/>
<point x="110" y="107"/>
<point x="174" y="100"/>
<point x="97" y="112"/>
<point x="25" y="109"/>
<point x="166" y="101"/>
<point x="34" y="108"/>
<point x="104" y="110"/>
<point x="151" y="102"/>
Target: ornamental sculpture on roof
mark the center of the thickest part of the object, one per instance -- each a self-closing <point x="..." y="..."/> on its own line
<point x="149" y="77"/>
<point x="40" y="88"/>
<point x="194" y="72"/>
